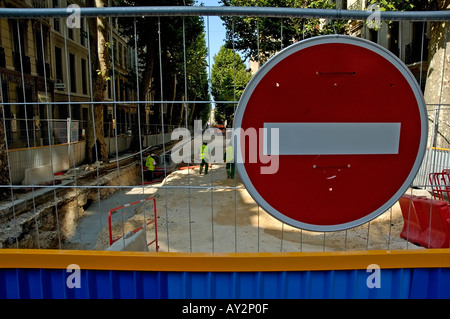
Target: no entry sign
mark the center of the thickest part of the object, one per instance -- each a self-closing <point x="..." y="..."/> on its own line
<point x="346" y="121"/>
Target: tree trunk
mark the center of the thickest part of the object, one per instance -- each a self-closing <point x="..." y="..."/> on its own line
<point x="182" y="113"/>
<point x="437" y="89"/>
<point x="191" y="118"/>
<point x="4" y="172"/>
<point x="173" y="97"/>
<point x="144" y="87"/>
<point x="101" y="65"/>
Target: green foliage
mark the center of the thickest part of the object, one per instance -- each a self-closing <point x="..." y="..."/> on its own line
<point x="229" y="78"/>
<point x="172" y="57"/>
<point x="393" y="5"/>
<point x="242" y="33"/>
<point x="100" y="73"/>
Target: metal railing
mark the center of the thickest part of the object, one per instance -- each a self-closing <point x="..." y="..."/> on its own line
<point x="179" y="11"/>
<point x="146" y="222"/>
<point x="64" y="130"/>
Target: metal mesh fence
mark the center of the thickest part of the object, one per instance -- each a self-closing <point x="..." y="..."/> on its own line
<point x="58" y="198"/>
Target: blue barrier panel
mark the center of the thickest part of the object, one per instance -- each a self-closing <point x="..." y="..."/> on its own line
<point x="341" y="284"/>
<point x="431" y="283"/>
<point x="49" y="274"/>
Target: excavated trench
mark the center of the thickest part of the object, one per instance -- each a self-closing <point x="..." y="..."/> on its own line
<point x="45" y="217"/>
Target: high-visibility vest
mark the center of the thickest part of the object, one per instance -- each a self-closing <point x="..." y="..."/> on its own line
<point x="150" y="163"/>
<point x="204" y="152"/>
<point x="230" y="154"/>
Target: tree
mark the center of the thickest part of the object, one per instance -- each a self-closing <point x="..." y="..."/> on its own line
<point x="437" y="88"/>
<point x="197" y="80"/>
<point x="229" y="79"/>
<point x="172" y="62"/>
<point x="274" y="34"/>
<point x="4" y="172"/>
<point x="241" y="33"/>
<point x="101" y="64"/>
<point x="174" y="73"/>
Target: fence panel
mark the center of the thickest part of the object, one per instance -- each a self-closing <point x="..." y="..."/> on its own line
<point x="51" y="93"/>
<point x="203" y="209"/>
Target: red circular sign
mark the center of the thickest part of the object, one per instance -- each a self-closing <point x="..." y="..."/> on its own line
<point x="341" y="129"/>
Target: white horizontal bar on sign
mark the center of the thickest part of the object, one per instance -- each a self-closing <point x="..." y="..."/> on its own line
<point x="332" y="138"/>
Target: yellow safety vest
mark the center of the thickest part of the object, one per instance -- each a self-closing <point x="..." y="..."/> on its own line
<point x="150" y="163"/>
<point x="230" y="154"/>
<point x="204" y="152"/>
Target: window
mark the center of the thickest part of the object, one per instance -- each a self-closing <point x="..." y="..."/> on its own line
<point x="116" y="91"/>
<point x="71" y="34"/>
<point x="73" y="76"/>
<point x="116" y="58"/>
<point x="110" y="85"/>
<point x="120" y="54"/>
<point x="26" y="114"/>
<point x="125" y="57"/>
<point x="20" y="59"/>
<point x="42" y="67"/>
<point x="82" y="32"/>
<point x="58" y="65"/>
<point x="394" y="43"/>
<point x="18" y="33"/>
<point x="131" y="58"/>
<point x="121" y="91"/>
<point x="39" y="50"/>
<point x="83" y="76"/>
<point x="56" y="21"/>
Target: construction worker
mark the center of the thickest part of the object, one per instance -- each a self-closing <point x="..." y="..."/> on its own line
<point x="228" y="158"/>
<point x="204" y="156"/>
<point x="151" y="164"/>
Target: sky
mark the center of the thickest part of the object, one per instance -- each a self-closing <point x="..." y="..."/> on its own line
<point x="215" y="33"/>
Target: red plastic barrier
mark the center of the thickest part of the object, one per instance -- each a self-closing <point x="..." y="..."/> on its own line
<point x="191" y="167"/>
<point x="112" y="211"/>
<point x="426" y="221"/>
<point x="440" y="184"/>
<point x="188" y="167"/>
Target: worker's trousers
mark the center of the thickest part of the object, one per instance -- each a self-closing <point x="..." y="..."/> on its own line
<point x="205" y="164"/>
<point x="230" y="167"/>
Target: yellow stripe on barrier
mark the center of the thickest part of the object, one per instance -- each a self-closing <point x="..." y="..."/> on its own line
<point x="438" y="148"/>
<point x="221" y="262"/>
<point x="44" y="146"/>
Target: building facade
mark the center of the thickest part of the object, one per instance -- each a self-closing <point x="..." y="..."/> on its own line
<point x="408" y="40"/>
<point x="43" y="60"/>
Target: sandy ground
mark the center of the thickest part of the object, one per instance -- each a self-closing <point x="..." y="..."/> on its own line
<point x="201" y="219"/>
